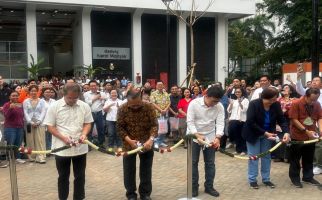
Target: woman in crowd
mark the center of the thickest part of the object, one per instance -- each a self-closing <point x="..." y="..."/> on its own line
<point x="47" y="94"/>
<point x="180" y="92"/>
<point x="256" y="85"/>
<point x="18" y="89"/>
<point x="117" y="84"/>
<point x="287" y="97"/>
<point x="13" y="122"/>
<point x="225" y="102"/>
<point x="85" y="87"/>
<point x="53" y="93"/>
<point x="146" y="92"/>
<point x="248" y="90"/>
<point x="237" y="109"/>
<point x="196" y="92"/>
<point x="129" y="87"/>
<point x="111" y="106"/>
<point x="35" y="111"/>
<point x="259" y="132"/>
<point x="182" y="110"/>
<point x="60" y="92"/>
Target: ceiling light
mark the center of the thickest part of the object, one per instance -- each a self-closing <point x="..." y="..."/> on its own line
<point x="43" y="13"/>
<point x="1" y="27"/>
<point x="48" y="23"/>
<point x="12" y="11"/>
<point x="56" y="11"/>
<point x="44" y="29"/>
<point x="66" y="14"/>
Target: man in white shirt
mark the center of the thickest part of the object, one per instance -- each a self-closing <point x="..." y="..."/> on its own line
<point x="315" y="83"/>
<point x="264" y="82"/>
<point x="206" y="120"/>
<point x="96" y="99"/>
<point x="69" y="121"/>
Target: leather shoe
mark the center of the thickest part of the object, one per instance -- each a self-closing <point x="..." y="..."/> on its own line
<point x="146" y="198"/>
<point x="212" y="192"/>
<point x="195" y="192"/>
<point x="132" y="198"/>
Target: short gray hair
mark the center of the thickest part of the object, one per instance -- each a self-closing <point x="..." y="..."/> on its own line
<point x="73" y="87"/>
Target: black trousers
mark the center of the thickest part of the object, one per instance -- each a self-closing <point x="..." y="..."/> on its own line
<point x="145" y="174"/>
<point x="306" y="152"/>
<point x="63" y="168"/>
<point x="235" y="134"/>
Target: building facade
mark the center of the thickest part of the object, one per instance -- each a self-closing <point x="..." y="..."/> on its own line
<point x="125" y="37"/>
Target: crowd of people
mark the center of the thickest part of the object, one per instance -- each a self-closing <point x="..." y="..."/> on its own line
<point x="117" y="115"/>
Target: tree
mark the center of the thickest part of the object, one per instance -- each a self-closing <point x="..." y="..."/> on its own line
<point x="293" y="42"/>
<point x="249" y="39"/>
<point x="175" y="8"/>
<point x="34" y="68"/>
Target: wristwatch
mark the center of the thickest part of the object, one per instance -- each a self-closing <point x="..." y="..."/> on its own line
<point x="151" y="138"/>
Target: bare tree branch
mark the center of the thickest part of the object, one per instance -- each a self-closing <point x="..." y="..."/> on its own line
<point x="174" y="7"/>
<point x="194" y="11"/>
<point x="211" y="2"/>
<point x="175" y="12"/>
<point x="191" y="12"/>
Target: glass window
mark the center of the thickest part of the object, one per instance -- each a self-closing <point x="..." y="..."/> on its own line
<point x="4" y="65"/>
<point x="13" y="52"/>
<point x="17" y="46"/>
<point x="4" y="46"/>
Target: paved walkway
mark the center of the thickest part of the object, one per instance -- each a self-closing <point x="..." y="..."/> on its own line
<point x="105" y="180"/>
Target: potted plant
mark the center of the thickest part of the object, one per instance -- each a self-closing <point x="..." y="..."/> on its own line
<point x="34" y="68"/>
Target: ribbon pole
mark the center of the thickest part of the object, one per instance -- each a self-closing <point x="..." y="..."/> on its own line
<point x="189" y="170"/>
<point x="13" y="174"/>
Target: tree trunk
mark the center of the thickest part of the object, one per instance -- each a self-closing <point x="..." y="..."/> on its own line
<point x="192" y="55"/>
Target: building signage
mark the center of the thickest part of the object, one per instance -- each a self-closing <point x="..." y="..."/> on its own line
<point x="111" y="53"/>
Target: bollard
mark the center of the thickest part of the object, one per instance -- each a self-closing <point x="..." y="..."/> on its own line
<point x="13" y="174"/>
<point x="189" y="170"/>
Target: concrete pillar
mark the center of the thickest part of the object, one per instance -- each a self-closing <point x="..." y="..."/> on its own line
<point x="82" y="41"/>
<point x="136" y="44"/>
<point x="182" y="53"/>
<point x="87" y="36"/>
<point x="31" y="32"/>
<point x="221" y="52"/>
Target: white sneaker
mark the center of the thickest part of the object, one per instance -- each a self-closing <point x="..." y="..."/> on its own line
<point x="229" y="145"/>
<point x="317" y="170"/>
<point x="163" y="144"/>
<point x="20" y="161"/>
<point x="3" y="164"/>
<point x="156" y="146"/>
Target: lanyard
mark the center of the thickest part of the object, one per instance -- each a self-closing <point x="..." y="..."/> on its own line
<point x="309" y="109"/>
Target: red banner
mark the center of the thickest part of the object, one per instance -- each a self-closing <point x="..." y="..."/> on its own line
<point x="152" y="82"/>
<point x="164" y="79"/>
